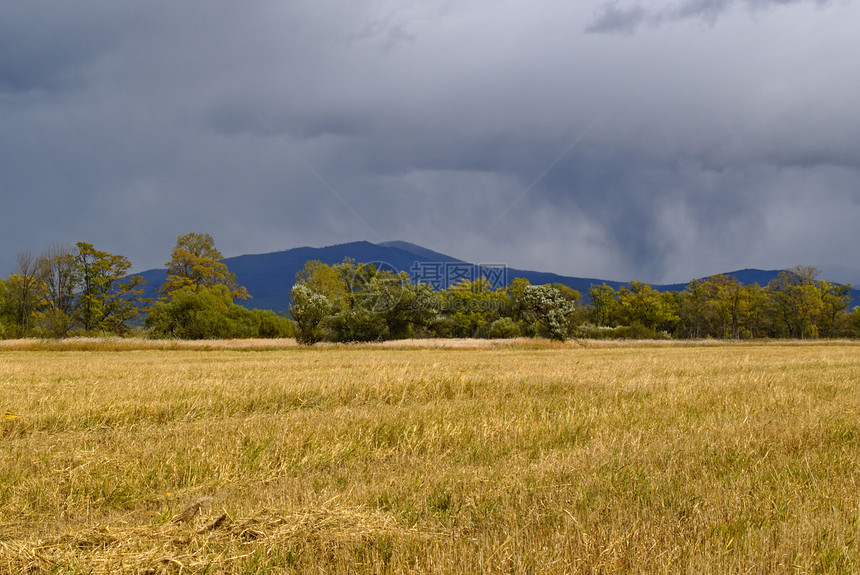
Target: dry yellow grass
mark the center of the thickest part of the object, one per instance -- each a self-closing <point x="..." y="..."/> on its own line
<point x="475" y="457"/>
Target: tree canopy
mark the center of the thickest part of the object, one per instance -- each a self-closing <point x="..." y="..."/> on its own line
<point x="195" y="264"/>
<point x="85" y="289"/>
<point x="198" y="296"/>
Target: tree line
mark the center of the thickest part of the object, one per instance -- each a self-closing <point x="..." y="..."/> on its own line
<point x="357" y="302"/>
<point x="83" y="290"/>
<point x="62" y="290"/>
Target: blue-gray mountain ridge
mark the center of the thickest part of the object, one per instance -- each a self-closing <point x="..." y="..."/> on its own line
<point x="269" y="277"/>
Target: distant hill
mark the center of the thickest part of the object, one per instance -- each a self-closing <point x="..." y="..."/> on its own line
<point x="269" y="277"/>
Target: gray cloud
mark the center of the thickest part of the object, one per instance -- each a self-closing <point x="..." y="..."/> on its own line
<point x="612" y="18"/>
<point x="497" y="133"/>
<point x="623" y="20"/>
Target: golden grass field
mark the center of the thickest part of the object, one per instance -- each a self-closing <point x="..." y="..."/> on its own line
<point x="129" y="456"/>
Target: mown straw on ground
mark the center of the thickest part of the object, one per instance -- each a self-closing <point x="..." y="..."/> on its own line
<point x="520" y="457"/>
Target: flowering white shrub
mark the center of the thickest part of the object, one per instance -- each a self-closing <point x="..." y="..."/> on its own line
<point x="550" y="308"/>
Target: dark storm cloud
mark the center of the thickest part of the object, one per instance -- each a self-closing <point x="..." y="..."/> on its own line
<point x="497" y="133"/>
<point x="626" y="19"/>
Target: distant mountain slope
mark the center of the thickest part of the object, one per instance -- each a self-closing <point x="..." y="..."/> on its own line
<point x="270" y="276"/>
<point x="419" y="251"/>
<point x="745" y="276"/>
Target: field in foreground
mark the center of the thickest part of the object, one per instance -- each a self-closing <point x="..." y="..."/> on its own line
<point x="523" y="458"/>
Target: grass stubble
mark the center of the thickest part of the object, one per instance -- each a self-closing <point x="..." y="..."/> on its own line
<point x="466" y="458"/>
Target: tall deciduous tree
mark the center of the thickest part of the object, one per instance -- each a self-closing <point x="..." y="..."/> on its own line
<point x="60" y="274"/>
<point x="363" y="302"/>
<point x="516" y="304"/>
<point x="325" y="280"/>
<point x="641" y="304"/>
<point x="728" y="304"/>
<point x="834" y="302"/>
<point x="603" y="304"/>
<point x="198" y="293"/>
<point x="472" y="306"/>
<point x="195" y="264"/>
<point x="4" y="312"/>
<point x="695" y="307"/>
<point x="25" y="292"/>
<point x="107" y="299"/>
<point x="796" y="301"/>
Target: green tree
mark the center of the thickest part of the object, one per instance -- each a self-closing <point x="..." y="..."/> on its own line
<point x="471" y="306"/>
<point x="640" y="304"/>
<point x="198" y="295"/>
<point x="695" y="307"/>
<point x="196" y="264"/>
<point x="853" y="321"/>
<point x="835" y="299"/>
<point x="25" y="293"/>
<point x="796" y="302"/>
<point x="5" y="317"/>
<point x="20" y="299"/>
<point x="551" y="308"/>
<point x="712" y="307"/>
<point x="424" y="312"/>
<point x="371" y="303"/>
<point x="356" y="324"/>
<point x="60" y="273"/>
<point x="309" y="309"/>
<point x="727" y="304"/>
<point x="514" y="292"/>
<point x="356" y="316"/>
<point x="753" y="311"/>
<point x="107" y="297"/>
<point x="324" y="279"/>
<point x="603" y="305"/>
<point x="273" y="325"/>
<point x="207" y="312"/>
<point x="504" y="328"/>
<point x="401" y="304"/>
<point x="359" y="299"/>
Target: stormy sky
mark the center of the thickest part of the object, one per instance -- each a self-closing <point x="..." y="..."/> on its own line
<point x="657" y="141"/>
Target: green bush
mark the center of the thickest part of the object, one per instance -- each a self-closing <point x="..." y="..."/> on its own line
<point x="273" y="325"/>
<point x="635" y="331"/>
<point x="504" y="328"/>
<point x="208" y="313"/>
<point x="357" y="325"/>
<point x="309" y="309"/>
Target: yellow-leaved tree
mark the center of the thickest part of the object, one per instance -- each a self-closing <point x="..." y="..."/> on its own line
<point x="195" y="264"/>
